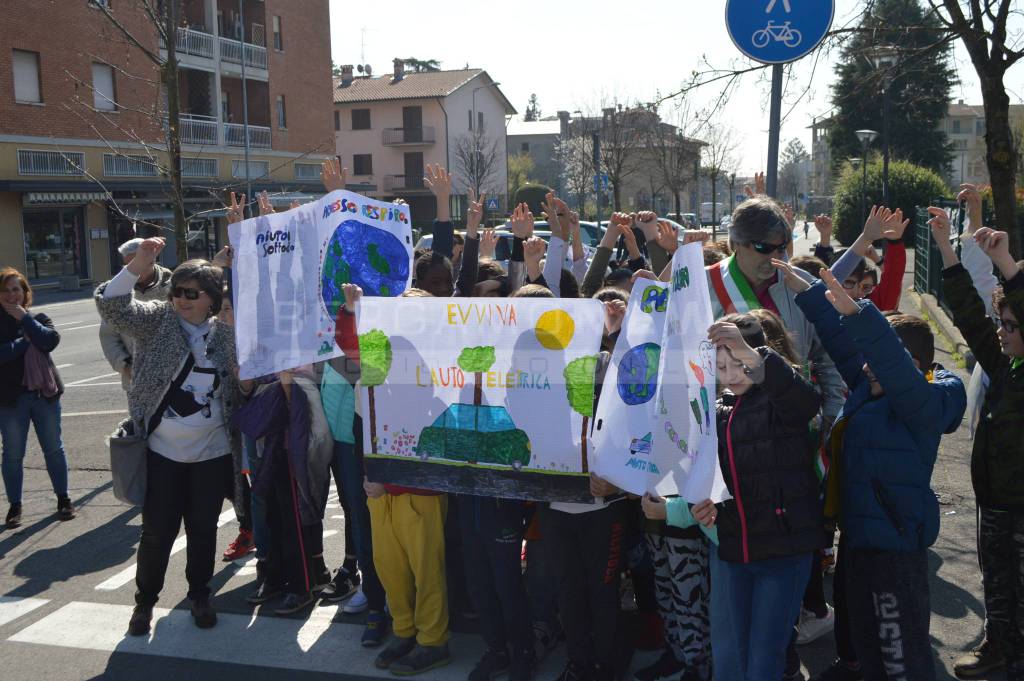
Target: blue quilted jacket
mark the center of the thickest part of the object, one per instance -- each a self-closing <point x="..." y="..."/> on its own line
<point x="890" y="442"/>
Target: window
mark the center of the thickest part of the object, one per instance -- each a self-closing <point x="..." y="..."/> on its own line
<point x="480" y="121"/>
<point x="103" y="95"/>
<point x="363" y="164"/>
<point x="257" y="169"/>
<point x="55" y="244"/>
<point x="524" y="147"/>
<point x="282" y="118"/>
<point x="39" y="162"/>
<point x="278" y="43"/>
<point x="469" y="114"/>
<point x="307" y="171"/>
<point x="128" y="165"/>
<point x="27" y="86"/>
<point x="956" y="126"/>
<point x="979" y="127"/>
<point x="360" y="119"/>
<point x="199" y="167"/>
<point x="337" y="120"/>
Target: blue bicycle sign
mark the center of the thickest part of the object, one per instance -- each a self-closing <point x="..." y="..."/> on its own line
<point x="778" y="31"/>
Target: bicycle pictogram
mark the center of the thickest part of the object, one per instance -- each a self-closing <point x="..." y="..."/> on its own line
<point x="781" y="33"/>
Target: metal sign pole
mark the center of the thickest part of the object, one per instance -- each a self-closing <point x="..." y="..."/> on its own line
<point x="774" y="128"/>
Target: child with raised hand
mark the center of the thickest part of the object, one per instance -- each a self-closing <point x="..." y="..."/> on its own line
<point x="851" y="268"/>
<point x="434" y="272"/>
<point x="997" y="458"/>
<point x="407" y="527"/>
<point x="769" y="529"/>
<point x="884" y="445"/>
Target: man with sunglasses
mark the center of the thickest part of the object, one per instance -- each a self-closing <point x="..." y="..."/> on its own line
<point x="153" y="284"/>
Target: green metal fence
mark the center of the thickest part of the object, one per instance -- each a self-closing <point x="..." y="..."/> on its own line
<point x="927" y="259"/>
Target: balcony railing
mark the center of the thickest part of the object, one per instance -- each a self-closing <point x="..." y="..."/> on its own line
<point x="396" y="136"/>
<point x="231" y="51"/>
<point x="199" y="167"/>
<point x="307" y="171"/>
<point x="120" y="165"/>
<point x="33" y="162"/>
<point x="234" y="136"/>
<point x="400" y="182"/>
<point x="195" y="42"/>
<point x="196" y="129"/>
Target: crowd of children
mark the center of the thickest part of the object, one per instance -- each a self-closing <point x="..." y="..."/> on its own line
<point x="817" y="370"/>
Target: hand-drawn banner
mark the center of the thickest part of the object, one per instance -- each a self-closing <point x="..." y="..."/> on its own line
<point x="289" y="268"/>
<point x="624" y="433"/>
<point x="484" y="396"/>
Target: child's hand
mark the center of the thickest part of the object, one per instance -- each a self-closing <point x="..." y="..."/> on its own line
<point x="823" y="224"/>
<point x="838" y="296"/>
<point x="352" y="296"/>
<point x="263" y="201"/>
<point x="332" y="175"/>
<point x="874" y="226"/>
<point x="727" y="335"/>
<point x="705" y="513"/>
<point x="534" y="249"/>
<point x="614" y="312"/>
<point x="629" y="238"/>
<point x="994" y="243"/>
<point x="794" y="282"/>
<point x="488" y="243"/>
<point x="374" y="490"/>
<point x="643" y="274"/>
<point x="654" y="507"/>
<point x="439" y="181"/>
<point x="668" y="237"/>
<point x="236" y="209"/>
<point x="521" y="224"/>
<point x="969" y="195"/>
<point x="693" y="236"/>
<point x="600" y="487"/>
<point x="475" y="214"/>
<point x="895" y="225"/>
<point x="940" y="225"/>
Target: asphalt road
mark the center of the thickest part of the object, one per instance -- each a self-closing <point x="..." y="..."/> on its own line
<point x="67" y="588"/>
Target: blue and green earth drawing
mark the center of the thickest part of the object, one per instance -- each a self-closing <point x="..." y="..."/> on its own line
<point x="357" y="253"/>
<point x="638" y="373"/>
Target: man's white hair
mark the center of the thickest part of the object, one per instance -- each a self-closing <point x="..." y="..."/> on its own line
<point x="129" y="247"/>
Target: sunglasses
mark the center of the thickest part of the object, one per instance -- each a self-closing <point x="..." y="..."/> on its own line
<point x="1010" y="327"/>
<point x="185" y="292"/>
<point x="765" y="248"/>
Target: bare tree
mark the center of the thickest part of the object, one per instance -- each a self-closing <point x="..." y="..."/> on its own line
<point x="719" y="159"/>
<point x="621" y="140"/>
<point x="674" y="153"/>
<point x="982" y="26"/>
<point x="477" y="160"/>
<point x="574" y="155"/>
<point x="790" y="175"/>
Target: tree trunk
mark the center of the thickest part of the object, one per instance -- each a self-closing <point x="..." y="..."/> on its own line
<point x="714" y="199"/>
<point x="1001" y="157"/>
<point x="583" y="442"/>
<point x="679" y="206"/>
<point x="478" y="389"/>
<point x="373" y="420"/>
<point x="617" y="195"/>
<point x="170" y="76"/>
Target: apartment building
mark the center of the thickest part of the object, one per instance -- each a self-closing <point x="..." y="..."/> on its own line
<point x="539" y="141"/>
<point x="389" y="128"/>
<point x="82" y="119"/>
<point x="965" y="126"/>
<point x="821" y="180"/>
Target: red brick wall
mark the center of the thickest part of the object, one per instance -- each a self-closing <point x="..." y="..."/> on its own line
<point x="69" y="35"/>
<point x="302" y="73"/>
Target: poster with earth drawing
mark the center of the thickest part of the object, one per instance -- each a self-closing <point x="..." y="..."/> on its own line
<point x="289" y="269"/>
<point x="489" y="396"/>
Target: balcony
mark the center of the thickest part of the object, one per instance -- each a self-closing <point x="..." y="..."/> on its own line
<point x="197" y="43"/>
<point x="196" y="129"/>
<point x="397" y="183"/>
<point x="231" y="51"/>
<point x="129" y="165"/>
<point x="52" y="163"/>
<point x="234" y="136"/>
<point x="408" y="136"/>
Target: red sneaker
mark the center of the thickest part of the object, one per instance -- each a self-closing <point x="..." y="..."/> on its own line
<point x="242" y="546"/>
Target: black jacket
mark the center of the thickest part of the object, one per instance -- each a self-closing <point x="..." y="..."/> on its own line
<point x="768" y="465"/>
<point x="15" y="337"/>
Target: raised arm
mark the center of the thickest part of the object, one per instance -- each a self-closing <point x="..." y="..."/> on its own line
<point x="116" y="304"/>
<point x="440" y="184"/>
<point x="471" y="249"/>
<point x="887" y="295"/>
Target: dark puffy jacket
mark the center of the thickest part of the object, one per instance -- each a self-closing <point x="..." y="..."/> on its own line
<point x="997" y="459"/>
<point x="15" y="338"/>
<point x="768" y="464"/>
<point x="890" y="442"/>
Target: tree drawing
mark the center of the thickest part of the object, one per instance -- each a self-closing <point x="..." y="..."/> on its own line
<point x="579" y="388"/>
<point x="476" y="361"/>
<point x="375" y="357"/>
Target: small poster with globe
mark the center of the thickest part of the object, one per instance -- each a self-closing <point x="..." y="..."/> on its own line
<point x="289" y="269"/>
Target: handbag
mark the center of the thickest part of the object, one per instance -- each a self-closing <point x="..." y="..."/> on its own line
<point x="129" y="447"/>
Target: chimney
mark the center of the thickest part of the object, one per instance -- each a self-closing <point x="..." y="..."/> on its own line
<point x="346" y="75"/>
<point x="960" y="102"/>
<point x="399" y="70"/>
<point x="563" y="123"/>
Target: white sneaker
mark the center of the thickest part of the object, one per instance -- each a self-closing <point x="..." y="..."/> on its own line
<point x="356" y="604"/>
<point x="812" y="627"/>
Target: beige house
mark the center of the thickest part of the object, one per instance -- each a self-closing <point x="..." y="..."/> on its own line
<point x="965" y="126"/>
<point x="389" y="128"/>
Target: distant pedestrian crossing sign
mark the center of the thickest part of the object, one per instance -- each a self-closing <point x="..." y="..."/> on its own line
<point x="492" y="204"/>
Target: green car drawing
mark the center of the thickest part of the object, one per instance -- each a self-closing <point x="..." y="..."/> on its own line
<point x="475" y="434"/>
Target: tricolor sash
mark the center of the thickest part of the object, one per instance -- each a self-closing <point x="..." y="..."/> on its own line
<point x="732" y="288"/>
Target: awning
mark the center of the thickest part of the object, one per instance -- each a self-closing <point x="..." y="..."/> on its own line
<point x="64" y="197"/>
<point x="286" y="198"/>
<point x="150" y="214"/>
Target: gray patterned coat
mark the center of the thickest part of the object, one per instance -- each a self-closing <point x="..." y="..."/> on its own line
<point x="161" y="349"/>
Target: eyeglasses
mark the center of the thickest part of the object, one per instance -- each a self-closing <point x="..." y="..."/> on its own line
<point x="185" y="292"/>
<point x="765" y="248"/>
<point x="1007" y="325"/>
<point x="849" y="284"/>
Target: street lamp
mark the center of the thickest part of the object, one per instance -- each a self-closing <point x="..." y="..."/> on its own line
<point x="885" y="59"/>
<point x="475" y="127"/>
<point x="866" y="137"/>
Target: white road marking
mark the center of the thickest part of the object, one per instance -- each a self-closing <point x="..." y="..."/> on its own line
<point x="93" y="385"/>
<point x="128" y="574"/>
<point x="64" y="366"/>
<point x="94" y="413"/>
<point x="77" y="321"/>
<point x="12" y="608"/>
<point x="277" y="642"/>
<point x="87" y="380"/>
<point x="78" y="328"/>
<point x="329" y="533"/>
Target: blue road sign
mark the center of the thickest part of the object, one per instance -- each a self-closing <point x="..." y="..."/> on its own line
<point x="778" y="31"/>
<point x="492" y="204"/>
<point x="600" y="183"/>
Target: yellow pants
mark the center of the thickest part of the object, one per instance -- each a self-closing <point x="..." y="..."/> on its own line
<point x="408" y="554"/>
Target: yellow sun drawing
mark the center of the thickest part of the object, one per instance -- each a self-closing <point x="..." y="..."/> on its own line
<point x="555" y="329"/>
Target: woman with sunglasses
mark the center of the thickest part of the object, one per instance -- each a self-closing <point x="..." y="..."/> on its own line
<point x="184" y="389"/>
<point x="30" y="391"/>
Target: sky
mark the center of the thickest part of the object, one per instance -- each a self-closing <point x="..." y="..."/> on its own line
<point x="576" y="55"/>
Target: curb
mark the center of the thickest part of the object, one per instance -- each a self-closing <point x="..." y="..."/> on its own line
<point x="930" y="306"/>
